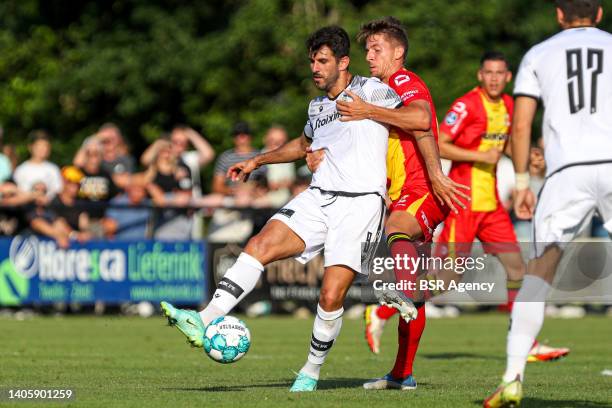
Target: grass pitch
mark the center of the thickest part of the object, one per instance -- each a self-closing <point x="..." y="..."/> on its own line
<point x="128" y="362"/>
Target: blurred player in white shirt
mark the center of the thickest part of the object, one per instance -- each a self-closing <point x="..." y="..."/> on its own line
<point x="566" y="72"/>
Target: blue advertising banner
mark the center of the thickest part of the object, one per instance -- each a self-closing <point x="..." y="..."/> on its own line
<point x="35" y="270"/>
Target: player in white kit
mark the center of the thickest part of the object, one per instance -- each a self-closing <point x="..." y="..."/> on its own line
<point x="570" y="73"/>
<point x="342" y="208"/>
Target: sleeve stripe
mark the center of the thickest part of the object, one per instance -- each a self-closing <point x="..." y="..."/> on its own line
<point x="516" y="95"/>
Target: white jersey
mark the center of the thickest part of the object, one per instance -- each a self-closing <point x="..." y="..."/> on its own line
<point x="355" y="151"/>
<point x="571" y="73"/>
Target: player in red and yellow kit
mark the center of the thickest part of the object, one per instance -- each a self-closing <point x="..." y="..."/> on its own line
<point x="474" y="135"/>
<point x="421" y="196"/>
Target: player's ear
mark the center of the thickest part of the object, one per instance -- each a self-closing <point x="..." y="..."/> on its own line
<point x="479" y="75"/>
<point x="398" y="53"/>
<point x="343" y="63"/>
<point x="599" y="15"/>
<point x="508" y="76"/>
<point x="560" y="17"/>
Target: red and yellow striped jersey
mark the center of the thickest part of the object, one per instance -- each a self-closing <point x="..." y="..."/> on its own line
<point x="475" y="123"/>
<point x="405" y="165"/>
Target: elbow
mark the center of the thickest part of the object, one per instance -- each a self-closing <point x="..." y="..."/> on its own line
<point x="422" y="122"/>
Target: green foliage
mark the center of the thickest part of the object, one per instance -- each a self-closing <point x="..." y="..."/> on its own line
<point x="71" y="65"/>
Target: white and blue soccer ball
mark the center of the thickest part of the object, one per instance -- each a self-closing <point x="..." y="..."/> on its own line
<point x="227" y="339"/>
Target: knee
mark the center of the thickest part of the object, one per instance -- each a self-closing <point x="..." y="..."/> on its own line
<point x="515" y="271"/>
<point x="258" y="246"/>
<point x="330" y="300"/>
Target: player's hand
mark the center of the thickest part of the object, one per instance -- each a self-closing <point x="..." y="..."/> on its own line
<point x="524" y="203"/>
<point x="241" y="171"/>
<point x="314" y="158"/>
<point x="447" y="191"/>
<point x="491" y="156"/>
<point x="355" y="110"/>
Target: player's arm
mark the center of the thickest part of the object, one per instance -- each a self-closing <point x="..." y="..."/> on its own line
<point x="415" y="116"/>
<point x="524" y="111"/>
<point x="446" y="190"/>
<point x="292" y="151"/>
<point x="450" y="151"/>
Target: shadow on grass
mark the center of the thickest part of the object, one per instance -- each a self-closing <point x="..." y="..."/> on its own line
<point x="453" y="356"/>
<point x="324" y="384"/>
<point x="231" y="388"/>
<point x="551" y="403"/>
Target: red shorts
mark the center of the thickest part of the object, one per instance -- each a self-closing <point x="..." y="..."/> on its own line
<point x="493" y="229"/>
<point x="421" y="204"/>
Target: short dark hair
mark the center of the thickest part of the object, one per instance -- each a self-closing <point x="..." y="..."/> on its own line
<point x="579" y="9"/>
<point x="493" y="56"/>
<point x="389" y="26"/>
<point x="241" y="128"/>
<point x="335" y="37"/>
<point x="38" y="134"/>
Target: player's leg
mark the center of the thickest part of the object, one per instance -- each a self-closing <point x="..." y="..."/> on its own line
<point x="498" y="237"/>
<point x="398" y="243"/>
<point x="525" y="323"/>
<point x="351" y="221"/>
<point x="337" y="280"/>
<point x="409" y="232"/>
<point x="557" y="219"/>
<point x="297" y="228"/>
<point x="275" y="241"/>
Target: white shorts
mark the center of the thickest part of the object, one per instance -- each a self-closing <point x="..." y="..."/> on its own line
<point x="567" y="202"/>
<point x="339" y="225"/>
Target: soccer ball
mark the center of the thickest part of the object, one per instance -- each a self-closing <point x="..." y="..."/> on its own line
<point x="226" y="339"/>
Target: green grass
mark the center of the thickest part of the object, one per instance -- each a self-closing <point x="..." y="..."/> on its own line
<point x="127" y="362"/>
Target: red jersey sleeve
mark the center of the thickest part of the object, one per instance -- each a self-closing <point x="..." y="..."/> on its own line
<point x="408" y="89"/>
<point x="457" y="118"/>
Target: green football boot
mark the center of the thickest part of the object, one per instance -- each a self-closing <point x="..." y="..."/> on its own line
<point x="303" y="383"/>
<point x="187" y="321"/>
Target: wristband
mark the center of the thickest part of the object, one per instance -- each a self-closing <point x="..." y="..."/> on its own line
<point x="521" y="181"/>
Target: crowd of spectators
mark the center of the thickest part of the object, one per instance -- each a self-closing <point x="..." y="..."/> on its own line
<point x="106" y="193"/>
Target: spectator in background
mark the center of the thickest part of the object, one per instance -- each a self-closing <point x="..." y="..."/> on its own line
<point x="537" y="175"/>
<point x="44" y="222"/>
<point x="62" y="219"/>
<point x="96" y="189"/>
<point x="232" y="225"/>
<point x="12" y="200"/>
<point x="6" y="167"/>
<point x="129" y="210"/>
<point x="37" y="169"/>
<point x="116" y="159"/>
<point x="243" y="150"/>
<point x="8" y="150"/>
<point x="180" y="139"/>
<point x="169" y="185"/>
<point x="280" y="176"/>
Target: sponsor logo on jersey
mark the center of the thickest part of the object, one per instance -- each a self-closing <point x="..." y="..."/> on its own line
<point x="451" y="118"/>
<point x="401" y="79"/>
<point x="500" y="137"/>
<point x="409" y="94"/>
<point x="320" y="122"/>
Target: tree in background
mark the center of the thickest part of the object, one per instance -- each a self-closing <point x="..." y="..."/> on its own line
<point x="69" y="65"/>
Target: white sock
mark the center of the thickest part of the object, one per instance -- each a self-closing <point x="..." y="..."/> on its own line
<point x="325" y="330"/>
<point x="525" y="324"/>
<point x="238" y="281"/>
